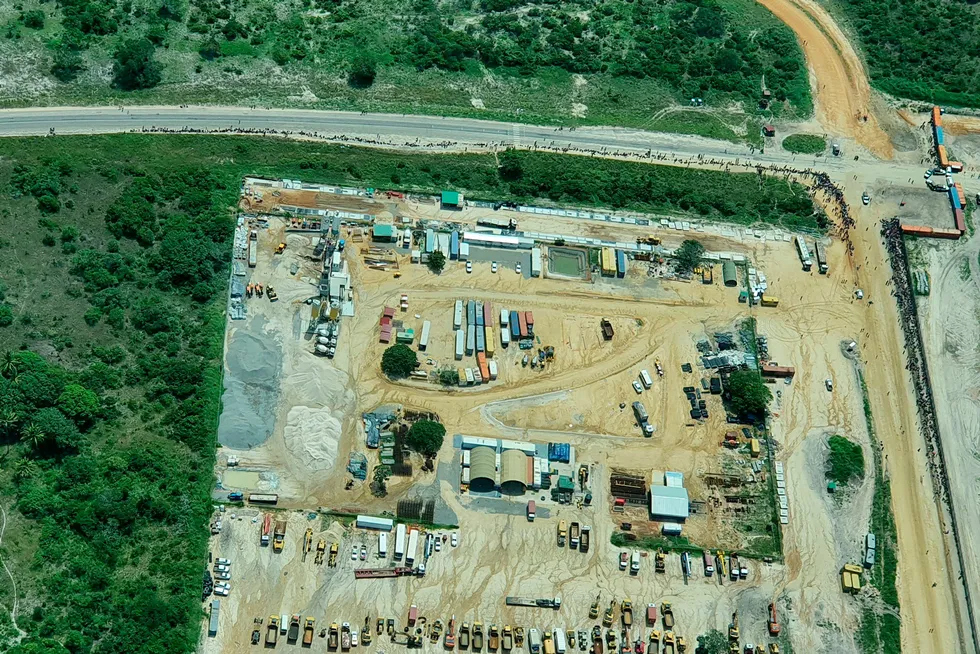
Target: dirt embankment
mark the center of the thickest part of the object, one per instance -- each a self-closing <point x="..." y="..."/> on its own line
<point x="841" y="92"/>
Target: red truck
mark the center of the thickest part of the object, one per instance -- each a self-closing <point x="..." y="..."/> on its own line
<point x="531" y="507"/>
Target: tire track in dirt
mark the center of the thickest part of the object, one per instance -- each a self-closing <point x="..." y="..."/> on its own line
<point x="841" y="92"/>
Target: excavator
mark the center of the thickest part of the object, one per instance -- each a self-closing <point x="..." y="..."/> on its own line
<point x="661" y="562"/>
<point x="321" y="547"/>
<point x="607" y="619"/>
<point x="774" y="627"/>
<point x="280" y="248"/>
<point x="307" y="542"/>
<point x="733" y="631"/>
<point x="450" y="640"/>
<point x="366" y="636"/>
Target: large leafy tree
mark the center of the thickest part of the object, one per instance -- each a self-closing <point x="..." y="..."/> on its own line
<point x="399" y="360"/>
<point x="747" y="393"/>
<point x="426" y="437"/>
<point x="136" y="66"/>
<point x="688" y="255"/>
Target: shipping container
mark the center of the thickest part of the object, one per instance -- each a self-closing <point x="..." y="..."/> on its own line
<point x="479" y="314"/>
<point x="620" y="263"/>
<point x="487" y="314"/>
<point x="430" y="241"/>
<point x="937" y="116"/>
<point x="521" y="324"/>
<point x="515" y="325"/>
<point x="454" y="245"/>
<point x="481" y="339"/>
<point x="960" y="219"/>
<point x="504" y="318"/>
<point x="413" y="545"/>
<point x="382" y="545"/>
<point x="458" y="314"/>
<point x="754" y="449"/>
<point x="770" y="301"/>
<point x="461" y="376"/>
<point x="960" y="194"/>
<point x="607" y="260"/>
<point x="940" y="137"/>
<point x="535" y="262"/>
<point x="464" y="251"/>
<point x="943" y="158"/>
<point x="481" y="360"/>
<point x="468" y="373"/>
<point x="640" y="412"/>
<point x="504" y="336"/>
<point x="477" y="376"/>
<point x="529" y="319"/>
<point x="492" y="366"/>
<point x="471" y="312"/>
<point x="490" y="347"/>
<point x="470" y="339"/>
<point x="956" y="166"/>
<point x="954" y="199"/>
<point x="460" y="344"/>
<point x="424" y="338"/>
<point x="465" y="479"/>
<point x="399" y="541"/>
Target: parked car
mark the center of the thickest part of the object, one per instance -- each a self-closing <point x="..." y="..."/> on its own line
<point x="221" y="568"/>
<point x="363" y="553"/>
<point x="438" y="545"/>
<point x="829" y="383"/>
<point x="454" y="539"/>
<point x="469" y="266"/>
<point x="353" y="554"/>
<point x="221" y="591"/>
<point x="637" y="387"/>
<point x="353" y="637"/>
<point x="222" y="561"/>
<point x="493" y="266"/>
<point x="235" y="496"/>
<point x="518" y="268"/>
<point x="224" y="576"/>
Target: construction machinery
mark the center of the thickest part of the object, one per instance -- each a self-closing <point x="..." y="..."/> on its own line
<point x="321" y="548"/>
<point x="541" y="603"/>
<point x="654" y="641"/>
<point x="518" y="637"/>
<point x="611" y="641"/>
<point x="508" y="639"/>
<point x="307" y="542"/>
<point x="668" y="614"/>
<point x="586" y="533"/>
<point x="681" y="644"/>
<point x="660" y="367"/>
<point x="333" y="636"/>
<point x="773" y="648"/>
<point x="607" y="619"/>
<point x="477" y="636"/>
<point x="308" y="632"/>
<point x="734" y="567"/>
<point x="449" y="642"/>
<point x="464" y="636"/>
<point x="627" y="613"/>
<point x="279" y="536"/>
<point x="332" y="561"/>
<point x="574" y="536"/>
<point x="436" y="631"/>
<point x="381" y="626"/>
<point x="774" y="627"/>
<point x="280" y="248"/>
<point x="345" y="636"/>
<point x="722" y="566"/>
<point x="493" y="641"/>
<point x="366" y="636"/>
<point x="669" y="642"/>
<point x="660" y="561"/>
<point x="266" y="532"/>
<point x="733" y="631"/>
<point x="272" y="631"/>
<point x="562" y="533"/>
<point x="293" y="632"/>
<point x="594" y="609"/>
<point x="271" y="294"/>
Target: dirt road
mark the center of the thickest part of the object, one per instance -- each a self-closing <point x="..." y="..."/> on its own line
<point x="841" y="92"/>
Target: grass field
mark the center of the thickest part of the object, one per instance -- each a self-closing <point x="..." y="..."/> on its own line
<point x="637" y="64"/>
<point x="805" y="143"/>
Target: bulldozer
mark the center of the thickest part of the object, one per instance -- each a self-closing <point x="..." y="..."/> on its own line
<point x="280" y="248"/>
<point x="594" y="610"/>
<point x="273" y="296"/>
<point x="681" y="644"/>
<point x="321" y="547"/>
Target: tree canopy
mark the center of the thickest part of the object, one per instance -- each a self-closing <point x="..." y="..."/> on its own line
<point x="136" y="66"/>
<point x="437" y="261"/>
<point x="845" y="461"/>
<point x="426" y="436"/>
<point x="399" y="360"/>
<point x="688" y="256"/>
<point x="747" y="393"/>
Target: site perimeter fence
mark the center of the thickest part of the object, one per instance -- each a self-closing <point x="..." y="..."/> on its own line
<point x="915" y="347"/>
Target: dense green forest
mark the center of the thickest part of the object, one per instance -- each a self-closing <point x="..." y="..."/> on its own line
<point x="919" y="49"/>
<point x="609" y="56"/>
<point x="114" y="262"/>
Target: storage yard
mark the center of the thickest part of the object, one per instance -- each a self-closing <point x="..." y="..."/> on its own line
<point x="589" y="413"/>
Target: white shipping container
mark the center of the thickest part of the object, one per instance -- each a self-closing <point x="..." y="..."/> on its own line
<point x="382" y="545"/>
<point x="645" y="379"/>
<point x="399" y="542"/>
<point x="477" y="377"/>
<point x="413" y="545"/>
<point x="464" y="251"/>
<point x="559" y="636"/>
<point x="504" y="317"/>
<point x="466" y="458"/>
<point x="493" y="368"/>
<point x="458" y="314"/>
<point x="504" y="336"/>
<point x="466" y="476"/>
<point x="536" y="266"/>
<point x="460" y="343"/>
<point x="469" y="376"/>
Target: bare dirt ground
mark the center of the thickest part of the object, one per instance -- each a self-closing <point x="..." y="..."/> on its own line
<point x="841" y="92"/>
<point x="576" y="400"/>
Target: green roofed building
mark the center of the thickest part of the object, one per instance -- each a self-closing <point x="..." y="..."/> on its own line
<point x="383" y="233"/>
<point x="452" y="200"/>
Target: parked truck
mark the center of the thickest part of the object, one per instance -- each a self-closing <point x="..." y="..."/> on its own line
<point x="574" y="535"/>
<point x="477" y="636"/>
<point x="266" y="533"/>
<point x="293" y="633"/>
<point x="627" y="610"/>
<point x="586" y="534"/>
<point x="534" y="641"/>
<point x="308" y="631"/>
<point x="272" y="631"/>
<point x="562" y="533"/>
<point x="651" y="615"/>
<point x="635" y="563"/>
<point x="668" y="614"/>
<point x="548" y="643"/>
<point x="279" y="537"/>
<point x="333" y="636"/>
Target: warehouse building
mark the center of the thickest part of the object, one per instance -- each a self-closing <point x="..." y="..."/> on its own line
<point x="373" y="522"/>
<point x="483" y="469"/>
<point x="513" y="472"/>
<point x="728" y="273"/>
<point x="669" y="504"/>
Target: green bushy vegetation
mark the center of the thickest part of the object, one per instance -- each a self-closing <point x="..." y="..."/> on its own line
<point x="635" y="58"/>
<point x="845" y="461"/>
<point x="919" y="49"/>
<point x="805" y="143"/>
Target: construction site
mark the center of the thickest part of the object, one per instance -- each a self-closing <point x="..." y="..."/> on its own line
<point x="590" y="468"/>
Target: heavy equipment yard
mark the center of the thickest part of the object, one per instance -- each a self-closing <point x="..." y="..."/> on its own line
<point x="293" y="423"/>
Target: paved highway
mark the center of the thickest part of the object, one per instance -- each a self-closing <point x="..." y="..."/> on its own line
<point x="392" y="130"/>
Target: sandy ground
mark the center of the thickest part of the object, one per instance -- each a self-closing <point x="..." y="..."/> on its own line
<point x="316" y="404"/>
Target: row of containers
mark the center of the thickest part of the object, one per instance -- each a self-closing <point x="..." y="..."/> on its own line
<point x="940" y="136"/>
<point x="612" y="262"/>
<point x="456" y="245"/>
<point x="479" y="334"/>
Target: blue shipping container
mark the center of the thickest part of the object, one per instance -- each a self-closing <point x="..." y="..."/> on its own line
<point x="939" y="136"/>
<point x="515" y="328"/>
<point x="480" y="340"/>
<point x="471" y="313"/>
<point x="954" y="199"/>
<point x="560" y="452"/>
<point x="479" y="314"/>
<point x="620" y="263"/>
<point x="454" y="245"/>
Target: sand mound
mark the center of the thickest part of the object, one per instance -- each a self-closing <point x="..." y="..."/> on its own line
<point x="312" y="436"/>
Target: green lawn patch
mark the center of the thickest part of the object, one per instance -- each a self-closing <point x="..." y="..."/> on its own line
<point x="805" y="143"/>
<point x="845" y="461"/>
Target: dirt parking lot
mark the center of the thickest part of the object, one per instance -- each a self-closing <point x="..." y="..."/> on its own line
<point x="312" y="409"/>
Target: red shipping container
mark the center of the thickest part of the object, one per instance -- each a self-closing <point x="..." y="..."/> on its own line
<point x="522" y="323"/>
<point x="487" y="315"/>
<point x="529" y="317"/>
<point x="960" y="220"/>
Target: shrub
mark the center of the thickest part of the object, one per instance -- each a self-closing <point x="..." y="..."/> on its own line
<point x="805" y="143"/>
<point x="437" y="261"/>
<point x="135" y="67"/>
<point x="747" y="393"/>
<point x="845" y="461"/>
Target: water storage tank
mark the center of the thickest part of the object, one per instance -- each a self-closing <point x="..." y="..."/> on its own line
<point x="483" y="469"/>
<point x="513" y="472"/>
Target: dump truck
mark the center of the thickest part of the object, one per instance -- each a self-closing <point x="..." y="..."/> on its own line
<point x="635" y="563"/>
<point x="272" y="631"/>
<point x="774" y="627"/>
<point x="668" y="614"/>
<point x="562" y="533"/>
<point x="586" y="537"/>
<point x="477" y="636"/>
<point x="660" y="561"/>
<point x="332" y="561"/>
<point x="627" y="609"/>
<point x="293" y="632"/>
<point x="345" y="636"/>
<point x="333" y="636"/>
<point x="308" y="631"/>
<point x="547" y="644"/>
<point x="253" y="243"/>
<point x="266" y="532"/>
<point x="464" y="636"/>
<point x="493" y="640"/>
<point x="321" y="548"/>
<point x="279" y="537"/>
<point x="508" y="639"/>
<point x="669" y="642"/>
<point x="733" y="567"/>
<point x="594" y="609"/>
<point x="574" y="535"/>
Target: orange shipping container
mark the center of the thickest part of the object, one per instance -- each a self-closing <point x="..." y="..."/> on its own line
<point x="959" y="192"/>
<point x="481" y="360"/>
<point x="943" y="159"/>
<point x="937" y="118"/>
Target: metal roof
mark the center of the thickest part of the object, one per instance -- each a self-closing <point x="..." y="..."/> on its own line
<point x="451" y="198"/>
<point x="384" y="230"/>
<point x="483" y="467"/>
<point x="513" y="470"/>
<point x="669" y="502"/>
<point x="675" y="479"/>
